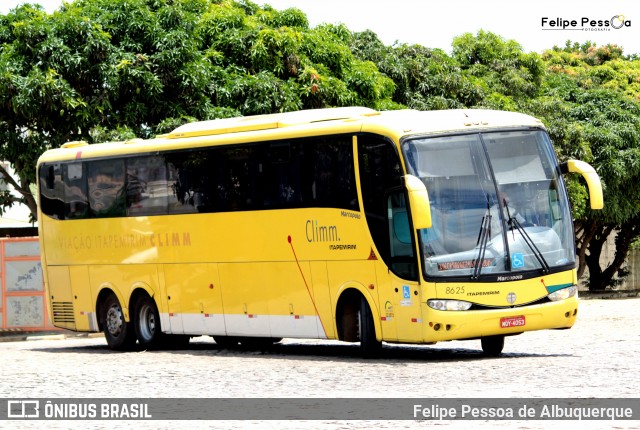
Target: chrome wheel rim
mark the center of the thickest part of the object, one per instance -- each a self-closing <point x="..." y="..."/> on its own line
<point x="147" y="322"/>
<point x="114" y="320"/>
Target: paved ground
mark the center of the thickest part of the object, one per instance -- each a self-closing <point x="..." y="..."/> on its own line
<point x="599" y="357"/>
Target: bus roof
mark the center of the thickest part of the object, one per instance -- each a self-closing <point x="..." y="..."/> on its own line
<point x="313" y="122"/>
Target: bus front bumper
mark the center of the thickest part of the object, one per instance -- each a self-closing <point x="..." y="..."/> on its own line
<point x="457" y="325"/>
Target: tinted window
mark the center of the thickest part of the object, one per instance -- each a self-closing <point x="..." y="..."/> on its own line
<point x="52" y="199"/>
<point x="150" y="186"/>
<point x="106" y="184"/>
<point x="380" y="173"/>
<point x="75" y="190"/>
<point x="288" y="174"/>
<point x="314" y="172"/>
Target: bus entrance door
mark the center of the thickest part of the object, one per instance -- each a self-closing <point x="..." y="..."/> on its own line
<point x="401" y="292"/>
<point x="400" y="314"/>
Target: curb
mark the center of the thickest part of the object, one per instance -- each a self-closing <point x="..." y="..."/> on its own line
<point x="47" y="337"/>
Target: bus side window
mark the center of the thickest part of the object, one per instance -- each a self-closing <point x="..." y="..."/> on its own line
<point x="75" y="193"/>
<point x="333" y="173"/>
<point x="188" y="180"/>
<point x="147" y="186"/>
<point x="107" y="193"/>
<point x="52" y="191"/>
<point x="283" y="161"/>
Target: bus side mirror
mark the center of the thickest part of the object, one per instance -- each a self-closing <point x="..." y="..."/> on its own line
<point x="591" y="176"/>
<point x="418" y="201"/>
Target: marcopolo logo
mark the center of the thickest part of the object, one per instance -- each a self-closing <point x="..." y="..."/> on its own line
<point x="616" y="22"/>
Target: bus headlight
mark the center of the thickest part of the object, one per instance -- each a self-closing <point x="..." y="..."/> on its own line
<point x="448" y="305"/>
<point x="563" y="294"/>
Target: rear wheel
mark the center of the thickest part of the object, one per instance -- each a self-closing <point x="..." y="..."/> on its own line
<point x="492" y="345"/>
<point x="120" y="335"/>
<point x="147" y="322"/>
<point x="369" y="345"/>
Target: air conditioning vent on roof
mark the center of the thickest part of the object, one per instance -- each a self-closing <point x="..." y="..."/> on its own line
<point x="270" y="121"/>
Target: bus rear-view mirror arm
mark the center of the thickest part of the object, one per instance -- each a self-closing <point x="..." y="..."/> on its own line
<point x="590" y="176"/>
<point x="419" y="202"/>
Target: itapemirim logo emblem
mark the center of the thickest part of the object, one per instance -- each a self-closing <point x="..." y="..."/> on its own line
<point x="585" y="23"/>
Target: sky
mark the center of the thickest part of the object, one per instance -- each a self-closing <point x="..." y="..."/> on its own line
<point x="434" y="24"/>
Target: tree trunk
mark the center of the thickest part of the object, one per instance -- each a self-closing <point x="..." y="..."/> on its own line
<point x="599" y="278"/>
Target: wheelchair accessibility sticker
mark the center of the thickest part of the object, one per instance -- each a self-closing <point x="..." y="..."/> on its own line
<point x="517" y="260"/>
<point x="406" y="296"/>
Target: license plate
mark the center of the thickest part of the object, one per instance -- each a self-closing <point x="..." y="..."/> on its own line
<point x="508" y="322"/>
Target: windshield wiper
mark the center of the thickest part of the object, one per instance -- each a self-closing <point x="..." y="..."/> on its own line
<point x="515" y="224"/>
<point x="481" y="243"/>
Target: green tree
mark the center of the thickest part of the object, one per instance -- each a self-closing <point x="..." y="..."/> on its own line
<point x="39" y="107"/>
<point x="424" y="78"/>
<point x="505" y="72"/>
<point x="592" y="111"/>
<point x="112" y="69"/>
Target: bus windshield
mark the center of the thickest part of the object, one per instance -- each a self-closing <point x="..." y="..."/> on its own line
<point x="497" y="205"/>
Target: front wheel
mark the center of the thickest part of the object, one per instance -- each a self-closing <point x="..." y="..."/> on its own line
<point x="492" y="345"/>
<point x="147" y="322"/>
<point x="119" y="334"/>
<point x="369" y="345"/>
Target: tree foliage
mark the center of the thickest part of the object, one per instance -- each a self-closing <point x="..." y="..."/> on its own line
<point x="113" y="68"/>
<point x="100" y="70"/>
<point x="590" y="101"/>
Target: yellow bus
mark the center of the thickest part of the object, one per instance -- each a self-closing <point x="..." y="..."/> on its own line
<point x="342" y="223"/>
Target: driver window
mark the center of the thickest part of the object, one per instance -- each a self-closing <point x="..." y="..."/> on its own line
<point x="402" y="250"/>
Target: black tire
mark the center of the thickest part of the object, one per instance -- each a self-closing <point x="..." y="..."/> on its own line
<point x="120" y="334"/>
<point x="147" y="322"/>
<point x="492" y="345"/>
<point x="369" y="345"/>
